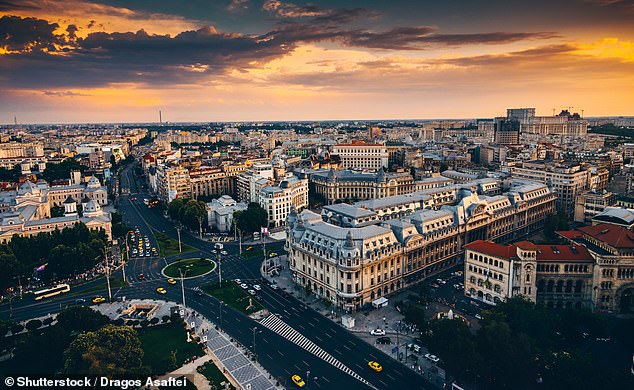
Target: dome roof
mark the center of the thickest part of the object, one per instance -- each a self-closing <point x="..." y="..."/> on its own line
<point x="28" y="188"/>
<point x="93" y="182"/>
<point x="92" y="207"/>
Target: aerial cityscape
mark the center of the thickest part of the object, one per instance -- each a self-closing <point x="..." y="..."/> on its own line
<point x="264" y="195"/>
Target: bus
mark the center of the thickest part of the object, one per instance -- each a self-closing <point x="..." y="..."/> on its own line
<point x="51" y="292"/>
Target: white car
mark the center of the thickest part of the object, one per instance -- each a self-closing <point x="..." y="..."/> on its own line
<point x="274" y="286"/>
<point x="257" y="287"/>
<point x="478" y="316"/>
<point x="244" y="286"/>
<point x="237" y="281"/>
<point x="251" y="292"/>
<point x="224" y="253"/>
<point x="432" y="358"/>
<point x="377" y="332"/>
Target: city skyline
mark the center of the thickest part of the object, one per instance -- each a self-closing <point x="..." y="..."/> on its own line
<point x="244" y="60"/>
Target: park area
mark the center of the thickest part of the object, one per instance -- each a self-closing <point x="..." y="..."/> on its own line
<point x="190" y="268"/>
<point x="166" y="348"/>
<point x="169" y="246"/>
<point x="234" y="296"/>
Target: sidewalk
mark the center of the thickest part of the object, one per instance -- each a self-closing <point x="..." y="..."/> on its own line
<point x="230" y="357"/>
<point x="194" y="376"/>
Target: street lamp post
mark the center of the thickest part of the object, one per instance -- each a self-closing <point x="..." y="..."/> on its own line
<point x="255" y="330"/>
<point x="180" y="271"/>
<point x="105" y="255"/>
<point x="178" y="230"/>
<point x="219" y="257"/>
<point x="220" y="309"/>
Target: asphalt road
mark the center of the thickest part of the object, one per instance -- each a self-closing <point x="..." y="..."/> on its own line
<point x="279" y="356"/>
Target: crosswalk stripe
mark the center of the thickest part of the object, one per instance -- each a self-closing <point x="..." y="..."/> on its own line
<point x="280" y="327"/>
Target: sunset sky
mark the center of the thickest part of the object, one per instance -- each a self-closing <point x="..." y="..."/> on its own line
<point x="64" y="61"/>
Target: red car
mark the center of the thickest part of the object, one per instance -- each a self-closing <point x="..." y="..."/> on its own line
<point x="141" y="277"/>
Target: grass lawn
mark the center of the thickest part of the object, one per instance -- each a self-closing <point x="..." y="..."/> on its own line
<point x="168" y="246"/>
<point x="214" y="375"/>
<point x="232" y="295"/>
<point x="166" y="348"/>
<point x="194" y="267"/>
<point x="102" y="286"/>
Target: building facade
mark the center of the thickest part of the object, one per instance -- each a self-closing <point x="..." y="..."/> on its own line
<point x="278" y="201"/>
<point x="362" y="156"/>
<point x="353" y="186"/>
<point x="366" y="258"/>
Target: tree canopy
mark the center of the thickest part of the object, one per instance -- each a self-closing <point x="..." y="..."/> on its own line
<point x="191" y="213"/>
<point x="519" y="342"/>
<point x="62" y="170"/>
<point x="251" y="219"/>
<point x="81" y="319"/>
<point x="73" y="249"/>
<point x="113" y="351"/>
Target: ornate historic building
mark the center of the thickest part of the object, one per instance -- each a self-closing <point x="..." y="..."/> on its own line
<point x="595" y="270"/>
<point x="353" y="186"/>
<point x="27" y="212"/>
<point x="366" y="258"/>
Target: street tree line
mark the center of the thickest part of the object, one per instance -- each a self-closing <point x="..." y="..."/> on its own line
<point x="191" y="213"/>
<point x="66" y="252"/>
<point x="520" y="345"/>
<point x="251" y="219"/>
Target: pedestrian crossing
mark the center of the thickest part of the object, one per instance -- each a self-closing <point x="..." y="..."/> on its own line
<point x="280" y="327"/>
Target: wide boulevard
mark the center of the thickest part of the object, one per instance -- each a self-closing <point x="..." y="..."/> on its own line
<point x="278" y="355"/>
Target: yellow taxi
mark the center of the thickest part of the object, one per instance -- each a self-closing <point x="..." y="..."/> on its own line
<point x="298" y="380"/>
<point x="375" y="366"/>
<point x="161" y="290"/>
<point x="98" y="300"/>
<point x="171" y="281"/>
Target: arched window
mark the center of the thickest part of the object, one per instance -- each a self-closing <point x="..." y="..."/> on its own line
<point x="549" y="286"/>
<point x="569" y="286"/>
<point x="560" y="286"/>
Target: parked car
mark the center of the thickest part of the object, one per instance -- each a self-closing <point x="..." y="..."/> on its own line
<point x="432" y="358"/>
<point x="274" y="286"/>
<point x="384" y="340"/>
<point x="252" y="292"/>
<point x="414" y="347"/>
<point x="244" y="286"/>
<point x="377" y="332"/>
<point x="257" y="287"/>
<point x="478" y="316"/>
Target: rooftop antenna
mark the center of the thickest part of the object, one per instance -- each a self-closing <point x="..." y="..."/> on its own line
<point x="582" y="113"/>
<point x="554" y="111"/>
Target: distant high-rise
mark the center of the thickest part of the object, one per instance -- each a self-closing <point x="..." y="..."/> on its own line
<point x="507" y="131"/>
<point x="523" y="115"/>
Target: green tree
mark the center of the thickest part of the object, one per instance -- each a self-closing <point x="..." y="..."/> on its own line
<point x="62" y="170"/>
<point x="251" y="219"/>
<point x="33" y="324"/>
<point x="452" y="340"/>
<point x="112" y="351"/>
<point x="11" y="175"/>
<point x="81" y="319"/>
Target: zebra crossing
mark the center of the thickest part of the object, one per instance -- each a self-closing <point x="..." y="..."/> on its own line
<point x="280" y="327"/>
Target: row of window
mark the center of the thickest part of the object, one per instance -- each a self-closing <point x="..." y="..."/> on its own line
<point x="486" y="260"/>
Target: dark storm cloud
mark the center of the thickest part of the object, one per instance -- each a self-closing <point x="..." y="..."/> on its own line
<point x="16" y="5"/>
<point x="319" y="15"/>
<point x="40" y="59"/>
<point x="399" y="38"/>
<point x="63" y="93"/>
<point x="103" y="58"/>
<point x="18" y="34"/>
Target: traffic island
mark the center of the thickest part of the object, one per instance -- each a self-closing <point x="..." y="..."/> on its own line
<point x="233" y="296"/>
<point x="190" y="268"/>
<point x="169" y="246"/>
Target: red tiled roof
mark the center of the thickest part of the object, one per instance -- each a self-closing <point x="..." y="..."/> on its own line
<point x="563" y="253"/>
<point x="615" y="236"/>
<point x="526" y="245"/>
<point x="493" y="249"/>
<point x="570" y="234"/>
